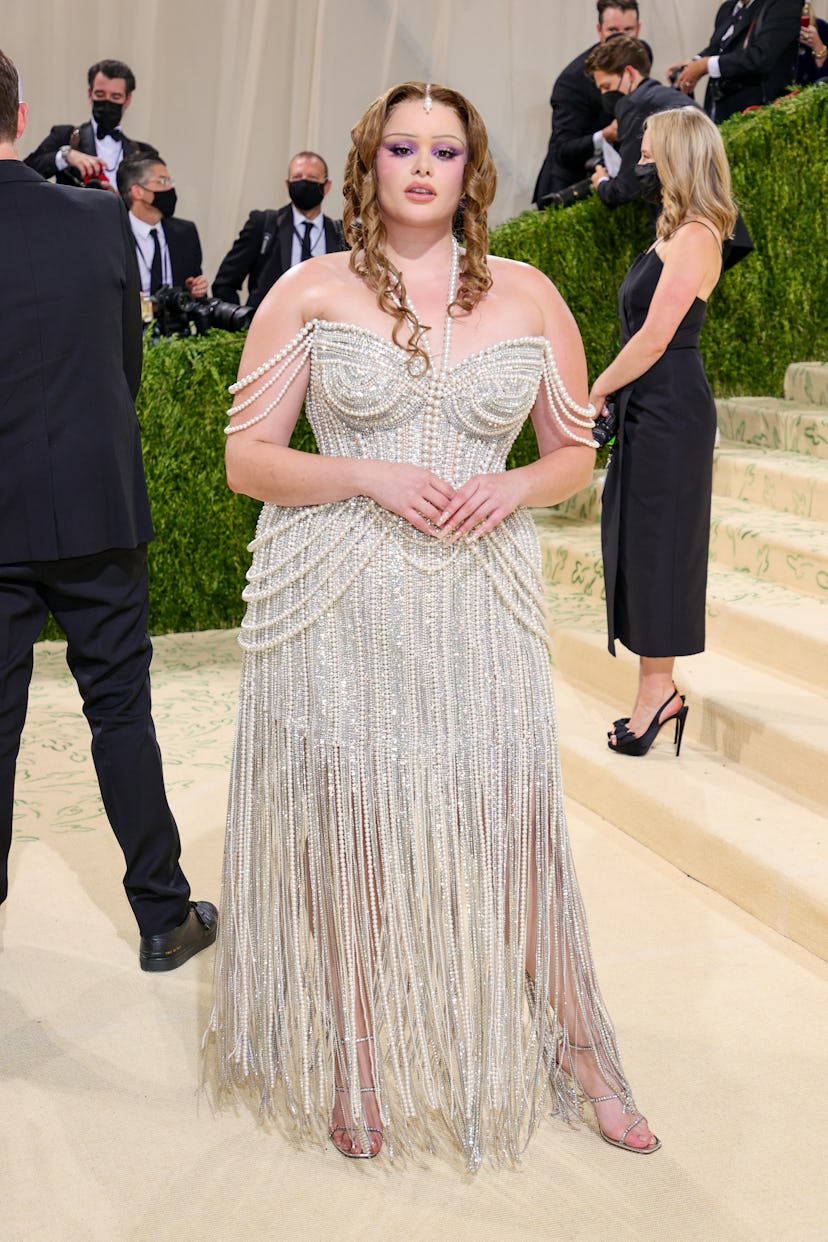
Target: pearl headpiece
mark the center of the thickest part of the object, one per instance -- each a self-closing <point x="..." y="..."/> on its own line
<point x="428" y="101"/>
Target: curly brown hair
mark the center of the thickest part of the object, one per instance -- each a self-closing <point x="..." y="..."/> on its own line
<point x="365" y="228"/>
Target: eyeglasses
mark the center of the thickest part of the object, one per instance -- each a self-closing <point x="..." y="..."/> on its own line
<point x="165" y="183"/>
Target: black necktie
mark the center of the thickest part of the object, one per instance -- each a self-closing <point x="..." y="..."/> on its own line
<point x="155" y="269"/>
<point x="306" y="250"/>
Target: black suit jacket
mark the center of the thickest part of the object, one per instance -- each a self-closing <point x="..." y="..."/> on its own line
<point x="245" y="259"/>
<point x="757" y="61"/>
<point x="71" y="471"/>
<point x="184" y="246"/>
<point x="577" y="114"/>
<point x="631" y="113"/>
<point x="42" y="159"/>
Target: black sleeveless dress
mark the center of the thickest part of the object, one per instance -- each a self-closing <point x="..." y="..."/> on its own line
<point x="655" y="520"/>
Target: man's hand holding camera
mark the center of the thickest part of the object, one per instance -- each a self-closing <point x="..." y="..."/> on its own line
<point x="685" y="75"/>
<point x="86" y="165"/>
<point x="599" y="174"/>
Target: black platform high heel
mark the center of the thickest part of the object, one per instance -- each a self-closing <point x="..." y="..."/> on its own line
<point x="627" y="743"/>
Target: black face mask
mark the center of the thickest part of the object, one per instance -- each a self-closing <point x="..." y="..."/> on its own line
<point x="648" y="182"/>
<point x="165" y="201"/>
<point x="107" y="115"/>
<point x="609" y="101"/>
<point x="306" y="194"/>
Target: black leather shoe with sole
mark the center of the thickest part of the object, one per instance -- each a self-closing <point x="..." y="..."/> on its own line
<point x="171" y="949"/>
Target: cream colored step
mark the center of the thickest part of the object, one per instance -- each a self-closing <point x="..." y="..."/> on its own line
<point x="584" y="506"/>
<point x="771" y="423"/>
<point x="807" y="382"/>
<point x="570" y="554"/>
<point x="776" y="547"/>
<point x="756" y="847"/>
<point x="770" y="626"/>
<point x="765" y="724"/>
<point x="785" y="482"/>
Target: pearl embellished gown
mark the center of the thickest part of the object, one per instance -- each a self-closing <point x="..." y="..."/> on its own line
<point x="396" y="801"/>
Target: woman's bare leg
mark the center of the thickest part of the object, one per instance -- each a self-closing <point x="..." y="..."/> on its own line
<point x="655" y="687"/>
<point x="346" y="1128"/>
<point x="580" y="1054"/>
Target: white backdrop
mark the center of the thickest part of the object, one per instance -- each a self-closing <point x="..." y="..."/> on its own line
<point x="229" y="89"/>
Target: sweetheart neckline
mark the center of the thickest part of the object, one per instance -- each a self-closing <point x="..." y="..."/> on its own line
<point x="399" y="349"/>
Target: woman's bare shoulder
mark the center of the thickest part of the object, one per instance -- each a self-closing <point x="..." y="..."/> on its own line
<point x="513" y="276"/>
<point x="515" y="272"/>
<point x="522" y="283"/>
<point x="692" y="237"/>
<point x="309" y="286"/>
<point x="694" y="251"/>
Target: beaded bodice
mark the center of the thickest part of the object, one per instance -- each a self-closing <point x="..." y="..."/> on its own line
<point x="363" y="401"/>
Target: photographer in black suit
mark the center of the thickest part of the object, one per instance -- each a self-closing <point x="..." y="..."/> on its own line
<point x="168" y="249"/>
<point x="74" y="516"/>
<point x="750" y="58"/>
<point x="620" y="68"/>
<point x="72" y="154"/>
<point x="578" y="121"/>
<point x="272" y="241"/>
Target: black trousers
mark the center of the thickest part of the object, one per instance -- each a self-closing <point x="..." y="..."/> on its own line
<point x="102" y="603"/>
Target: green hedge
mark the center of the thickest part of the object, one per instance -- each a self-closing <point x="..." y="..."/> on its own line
<point x="769" y="310"/>
<point x="198" y="557"/>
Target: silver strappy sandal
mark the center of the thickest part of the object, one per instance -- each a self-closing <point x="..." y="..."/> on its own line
<point x="354" y="1132"/>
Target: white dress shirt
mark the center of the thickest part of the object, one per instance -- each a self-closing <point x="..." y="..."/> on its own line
<point x="317" y="236"/>
<point x="713" y="61"/>
<point x="145" y="247"/>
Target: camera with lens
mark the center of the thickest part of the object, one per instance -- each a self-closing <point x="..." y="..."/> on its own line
<point x="568" y="196"/>
<point x="605" y="427"/>
<point x="179" y="314"/>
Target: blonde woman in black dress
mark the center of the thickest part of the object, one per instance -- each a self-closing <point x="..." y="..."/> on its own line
<point x="656" y="506"/>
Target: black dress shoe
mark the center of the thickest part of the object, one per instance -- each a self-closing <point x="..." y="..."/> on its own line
<point x="170" y="949"/>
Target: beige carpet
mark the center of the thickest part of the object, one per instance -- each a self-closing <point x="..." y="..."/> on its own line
<point x="105" y="1135"/>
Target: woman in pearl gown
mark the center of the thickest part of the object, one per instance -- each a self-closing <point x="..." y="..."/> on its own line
<point x="403" y="955"/>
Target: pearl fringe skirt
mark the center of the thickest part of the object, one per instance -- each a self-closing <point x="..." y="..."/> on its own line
<point x="397" y="861"/>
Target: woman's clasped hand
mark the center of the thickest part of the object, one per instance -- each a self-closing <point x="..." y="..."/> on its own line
<point x="432" y="505"/>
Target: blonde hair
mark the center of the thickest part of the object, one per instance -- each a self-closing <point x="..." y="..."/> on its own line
<point x="692" y="167"/>
<point x="364" y="225"/>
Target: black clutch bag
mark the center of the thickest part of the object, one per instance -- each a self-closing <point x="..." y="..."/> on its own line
<point x="739" y="244"/>
<point x="605" y="427"/>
